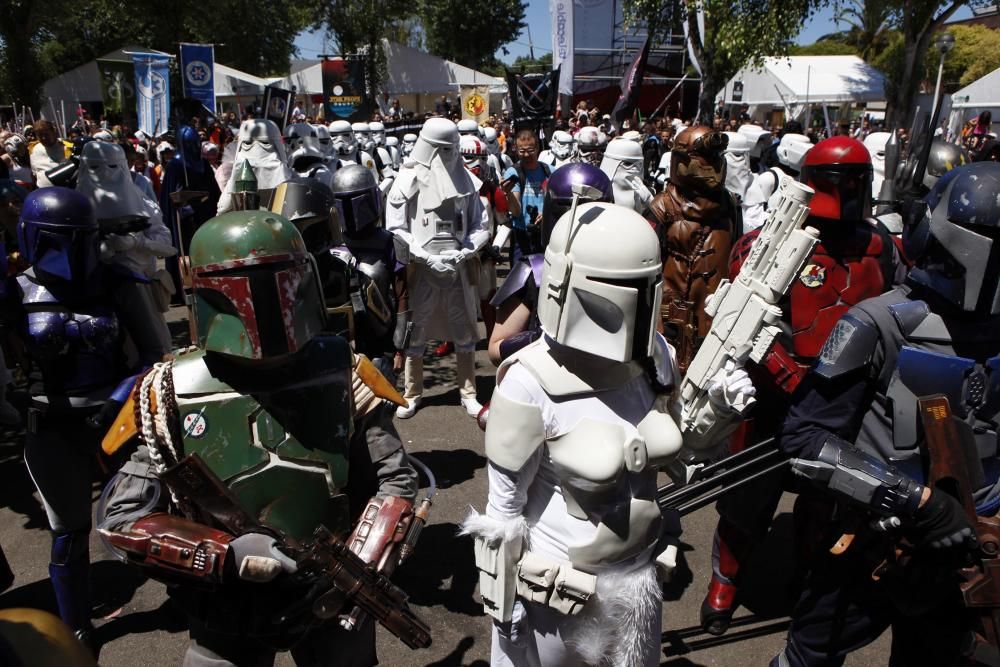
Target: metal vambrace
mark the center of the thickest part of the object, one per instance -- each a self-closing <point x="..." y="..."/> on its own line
<point x="174" y="546"/>
<point x="381" y="531"/>
<point x="862" y="479"/>
<point x="404" y="330"/>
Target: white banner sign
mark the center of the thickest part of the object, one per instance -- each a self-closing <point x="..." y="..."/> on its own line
<point x="562" y="42"/>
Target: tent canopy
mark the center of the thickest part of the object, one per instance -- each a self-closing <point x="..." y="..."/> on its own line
<point x="411" y="71"/>
<point x="798" y="80"/>
<point x="980" y="95"/>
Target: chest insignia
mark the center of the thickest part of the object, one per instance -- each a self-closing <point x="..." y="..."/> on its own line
<point x="813" y="275"/>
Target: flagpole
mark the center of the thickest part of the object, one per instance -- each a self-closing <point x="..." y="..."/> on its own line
<point x="669" y="95"/>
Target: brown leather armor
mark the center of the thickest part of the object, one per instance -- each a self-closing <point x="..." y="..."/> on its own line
<point x="696" y="234"/>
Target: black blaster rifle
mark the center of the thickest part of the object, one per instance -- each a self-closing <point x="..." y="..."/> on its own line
<point x="338" y="578"/>
<point x="954" y="468"/>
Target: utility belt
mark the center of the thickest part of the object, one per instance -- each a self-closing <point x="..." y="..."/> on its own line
<point x="554" y="583"/>
<point x="64" y="407"/>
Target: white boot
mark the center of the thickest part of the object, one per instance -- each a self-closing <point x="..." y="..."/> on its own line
<point x="466" y="371"/>
<point x="413" y="386"/>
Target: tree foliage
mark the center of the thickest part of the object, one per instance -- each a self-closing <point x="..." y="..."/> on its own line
<point x="869" y="24"/>
<point x="824" y="47"/>
<point x="39" y="39"/>
<point x="470" y="33"/>
<point x="737" y="33"/>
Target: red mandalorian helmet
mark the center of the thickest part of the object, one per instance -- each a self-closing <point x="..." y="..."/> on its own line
<point x="839" y="169"/>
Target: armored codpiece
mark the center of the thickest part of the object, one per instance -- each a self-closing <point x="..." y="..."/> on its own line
<point x="744" y="312"/>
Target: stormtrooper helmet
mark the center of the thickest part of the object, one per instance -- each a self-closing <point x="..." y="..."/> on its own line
<point x="343" y="138"/>
<point x="468" y="127"/>
<point x="302" y="144"/>
<point x="588" y="141"/>
<point x="563" y="145"/>
<point x="409" y="141"/>
<point x="325" y="142"/>
<point x="601" y="298"/>
<point x="378" y="133"/>
<point x="363" y="135"/>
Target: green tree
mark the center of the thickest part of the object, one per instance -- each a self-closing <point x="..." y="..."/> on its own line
<point x="359" y="26"/>
<point x="737" y="33"/>
<point x="41" y="39"/>
<point x="470" y="33"/>
<point x="824" y="47"/>
<point x="869" y="23"/>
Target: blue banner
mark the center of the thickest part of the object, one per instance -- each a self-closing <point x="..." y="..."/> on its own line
<point x="198" y="73"/>
<point x="152" y="92"/>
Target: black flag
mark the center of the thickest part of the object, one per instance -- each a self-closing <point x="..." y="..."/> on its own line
<point x="533" y="97"/>
<point x="278" y="104"/>
<point x="631" y="81"/>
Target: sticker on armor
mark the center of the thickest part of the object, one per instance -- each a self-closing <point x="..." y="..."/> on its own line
<point x="836" y="342"/>
<point x="813" y="275"/>
<point x="195" y="424"/>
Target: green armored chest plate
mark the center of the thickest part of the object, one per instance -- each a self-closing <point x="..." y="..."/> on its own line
<point x="280" y="443"/>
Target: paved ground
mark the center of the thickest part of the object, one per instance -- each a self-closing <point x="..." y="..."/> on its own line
<point x="441" y="577"/>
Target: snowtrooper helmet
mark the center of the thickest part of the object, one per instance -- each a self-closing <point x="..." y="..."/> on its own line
<point x="758" y="137"/>
<point x="378" y="133"/>
<point x="792" y="150"/>
<point x="601" y="298"/>
<point x="342" y="136"/>
<point x="468" y="127"/>
<point x="622" y="157"/>
<point x="409" y="141"/>
<point x="438" y="136"/>
<point x="738" y="175"/>
<point x="491" y="140"/>
<point x="956" y="246"/>
<point x="563" y="145"/>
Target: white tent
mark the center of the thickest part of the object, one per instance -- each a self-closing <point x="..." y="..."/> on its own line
<point x="83" y="83"/>
<point x="796" y="82"/>
<point x="415" y="77"/>
<point x="980" y="95"/>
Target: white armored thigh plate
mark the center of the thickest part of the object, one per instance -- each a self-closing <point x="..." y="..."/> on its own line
<point x="623" y="533"/>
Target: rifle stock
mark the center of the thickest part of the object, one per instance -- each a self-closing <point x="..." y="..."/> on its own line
<point x="949" y="446"/>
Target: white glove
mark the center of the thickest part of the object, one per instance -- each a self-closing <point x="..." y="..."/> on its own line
<point x="456" y="257"/>
<point x="440" y="265"/>
<point x="258" y="558"/>
<point x="731" y="388"/>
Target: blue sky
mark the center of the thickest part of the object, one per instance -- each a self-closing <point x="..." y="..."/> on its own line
<point x="537" y="16"/>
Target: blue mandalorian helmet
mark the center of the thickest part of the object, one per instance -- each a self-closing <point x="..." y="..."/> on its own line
<point x="956" y="245"/>
<point x="57" y="234"/>
<point x="190" y="149"/>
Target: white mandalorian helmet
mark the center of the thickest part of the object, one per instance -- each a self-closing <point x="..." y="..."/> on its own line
<point x="409" y="141"/>
<point x="378" y="133"/>
<point x="302" y="144"/>
<point x="758" y="137"/>
<point x="438" y="136"/>
<point x="563" y="145"/>
<point x="875" y="143"/>
<point x="792" y="150"/>
<point x="363" y="135"/>
<point x="492" y="143"/>
<point x="468" y="127"/>
<point x="598" y="297"/>
<point x="344" y="141"/>
<point x="325" y="142"/>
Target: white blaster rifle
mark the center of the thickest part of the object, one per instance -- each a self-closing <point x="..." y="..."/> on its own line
<point x="744" y="312"/>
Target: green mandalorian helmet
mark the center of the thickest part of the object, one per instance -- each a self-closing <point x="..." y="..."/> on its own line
<point x="256" y="291"/>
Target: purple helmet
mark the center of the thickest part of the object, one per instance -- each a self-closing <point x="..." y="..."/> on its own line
<point x="57" y="234"/>
<point x="559" y="193"/>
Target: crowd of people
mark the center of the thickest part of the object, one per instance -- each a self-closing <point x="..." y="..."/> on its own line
<point x="259" y="472"/>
